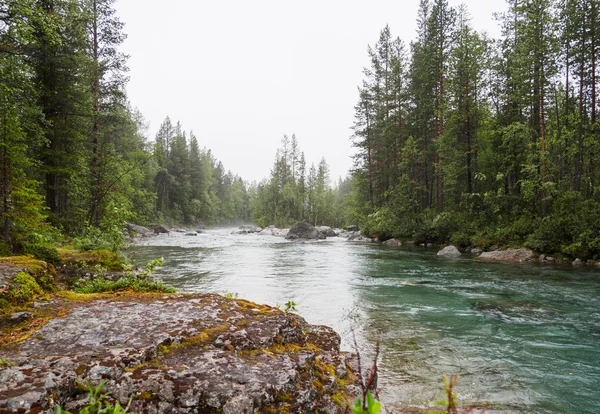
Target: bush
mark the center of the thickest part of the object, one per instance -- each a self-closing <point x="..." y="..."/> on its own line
<point x="100" y="282"/>
<point x="46" y="253"/>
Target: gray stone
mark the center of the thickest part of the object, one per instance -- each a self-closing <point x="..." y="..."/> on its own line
<point x="577" y="262"/>
<point x="352" y="228"/>
<point x="450" y="252"/>
<point x="19" y="317"/>
<point x="304" y="231"/>
<point x="216" y="355"/>
<point x="191" y="233"/>
<point x="327" y="231"/>
<point x="135" y="229"/>
<point x="161" y="230"/>
<point x="510" y="255"/>
<point x="251" y="229"/>
<point x="393" y="242"/>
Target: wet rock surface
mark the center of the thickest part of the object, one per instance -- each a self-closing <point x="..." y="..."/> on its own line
<point x="510" y="255"/>
<point x="184" y="354"/>
<point x="304" y="231"/>
<point x="450" y="252"/>
<point x="327" y="231"/>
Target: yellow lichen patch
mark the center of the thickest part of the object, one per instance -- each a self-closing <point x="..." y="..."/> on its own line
<point x="316" y="384"/>
<point x="203" y="338"/>
<point x="33" y="266"/>
<point x="103" y="258"/>
<point x="340" y="400"/>
<point x="284" y="397"/>
<point x="27" y="329"/>
<point x="124" y="295"/>
<point x="247" y="305"/>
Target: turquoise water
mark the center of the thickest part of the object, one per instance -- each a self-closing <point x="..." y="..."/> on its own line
<point x="523" y="337"/>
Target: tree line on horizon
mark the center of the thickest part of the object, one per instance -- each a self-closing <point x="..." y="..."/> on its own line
<point x="460" y="138"/>
<point x="469" y="140"/>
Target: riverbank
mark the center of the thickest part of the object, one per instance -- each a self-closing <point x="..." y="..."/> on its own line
<point x="167" y="352"/>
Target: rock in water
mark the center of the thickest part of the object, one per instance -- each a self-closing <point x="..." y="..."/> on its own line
<point x="510" y="255"/>
<point x="304" y="231"/>
<point x="450" y="252"/>
<point x="161" y="230"/>
<point x="393" y="242"/>
<point x="184" y="354"/>
<point x="135" y="229"/>
<point x="327" y="231"/>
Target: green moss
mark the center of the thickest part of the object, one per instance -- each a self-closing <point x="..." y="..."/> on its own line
<point x="104" y="258"/>
<point x="24" y="289"/>
<point x="33" y="266"/>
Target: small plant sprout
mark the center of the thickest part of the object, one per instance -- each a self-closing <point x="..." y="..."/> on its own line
<point x="231" y="295"/>
<point x="290" y="306"/>
<point x="449" y="385"/>
<point x="98" y="402"/>
<point x="367" y="404"/>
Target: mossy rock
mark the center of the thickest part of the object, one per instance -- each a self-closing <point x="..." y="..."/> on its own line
<point x="22" y="280"/>
<point x="32" y="265"/>
<point x="104" y="258"/>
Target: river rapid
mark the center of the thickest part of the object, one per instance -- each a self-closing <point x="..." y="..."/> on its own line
<point x="524" y="338"/>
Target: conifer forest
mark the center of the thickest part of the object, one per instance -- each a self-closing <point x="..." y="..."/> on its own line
<point x="459" y="137"/>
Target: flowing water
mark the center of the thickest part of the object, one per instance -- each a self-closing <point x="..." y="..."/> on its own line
<point x="525" y="338"/>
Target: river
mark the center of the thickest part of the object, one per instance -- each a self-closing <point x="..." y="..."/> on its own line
<point x="525" y="338"/>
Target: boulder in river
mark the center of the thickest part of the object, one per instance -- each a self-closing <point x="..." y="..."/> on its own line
<point x="510" y="255"/>
<point x="161" y="230"/>
<point x="352" y="228"/>
<point x="250" y="229"/>
<point x="191" y="233"/>
<point x="176" y="353"/>
<point x="450" y="252"/>
<point x="304" y="231"/>
<point x="134" y="229"/>
<point x="327" y="231"/>
<point x="393" y="242"/>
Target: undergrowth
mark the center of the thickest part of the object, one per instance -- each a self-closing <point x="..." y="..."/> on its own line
<point x="99" y="281"/>
<point x="98" y="402"/>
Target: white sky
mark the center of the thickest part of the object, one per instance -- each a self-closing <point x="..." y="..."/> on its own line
<point x="242" y="73"/>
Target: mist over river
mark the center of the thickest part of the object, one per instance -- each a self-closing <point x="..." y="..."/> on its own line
<point x="523" y="337"/>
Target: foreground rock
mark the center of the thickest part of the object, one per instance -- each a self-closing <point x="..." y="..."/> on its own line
<point x="184" y="354"/>
<point x="510" y="255"/>
<point x="450" y="252"/>
<point x="304" y="231"/>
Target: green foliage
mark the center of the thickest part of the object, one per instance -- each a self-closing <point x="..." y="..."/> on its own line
<point x="289" y="306"/>
<point x="47" y="253"/>
<point x="98" y="402"/>
<point x="24" y="289"/>
<point x="294" y="193"/>
<point x="100" y="281"/>
<point x="370" y="407"/>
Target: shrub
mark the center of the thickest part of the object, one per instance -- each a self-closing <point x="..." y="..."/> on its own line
<point x="46" y="253"/>
<point x="100" y="282"/>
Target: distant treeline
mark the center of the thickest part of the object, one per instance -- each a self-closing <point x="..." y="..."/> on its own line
<point x="469" y="140"/>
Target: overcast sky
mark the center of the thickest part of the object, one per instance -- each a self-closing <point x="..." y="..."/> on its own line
<point x="242" y="73"/>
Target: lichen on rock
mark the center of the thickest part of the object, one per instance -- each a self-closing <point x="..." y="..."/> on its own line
<point x="180" y="353"/>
